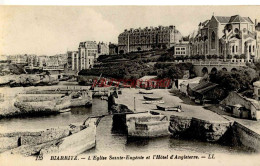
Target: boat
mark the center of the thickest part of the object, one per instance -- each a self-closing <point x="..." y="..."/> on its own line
<point x="143" y="92"/>
<point x="198" y="101"/>
<point x="78" y="138"/>
<point x="146" y="125"/>
<point x="192" y="98"/>
<point x="152" y="98"/>
<point x="169" y="108"/>
<point x="65" y="110"/>
<point x="79" y="142"/>
<point x="207" y="103"/>
<point x="104" y="98"/>
<point x="154" y="102"/>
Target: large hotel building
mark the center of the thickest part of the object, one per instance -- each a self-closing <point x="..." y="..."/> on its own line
<point x="148" y="38"/>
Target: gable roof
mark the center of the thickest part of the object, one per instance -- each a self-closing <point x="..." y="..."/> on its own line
<point x="222" y="19"/>
<point x="236" y="18"/>
<point x="233" y="19"/>
<point x="248" y="19"/>
<point x="204" y="87"/>
<point x="204" y="24"/>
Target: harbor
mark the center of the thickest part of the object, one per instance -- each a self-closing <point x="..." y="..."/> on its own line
<point x="138" y="84"/>
<point x="107" y="134"/>
<point x="194" y="121"/>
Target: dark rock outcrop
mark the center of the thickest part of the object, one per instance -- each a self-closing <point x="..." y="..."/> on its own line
<point x="194" y="128"/>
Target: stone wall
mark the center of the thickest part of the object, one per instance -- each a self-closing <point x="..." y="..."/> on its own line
<point x="147" y="125"/>
<point x="38" y="97"/>
<point x="230" y="133"/>
<point x="244" y="136"/>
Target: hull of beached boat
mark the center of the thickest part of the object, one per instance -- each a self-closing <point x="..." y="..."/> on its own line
<point x="168" y="108"/>
<point x="142" y="92"/>
<point x="78" y="142"/>
<point x="154" y="102"/>
<point x="152" y="98"/>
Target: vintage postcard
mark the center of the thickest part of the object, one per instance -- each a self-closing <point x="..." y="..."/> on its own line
<point x="129" y="85"/>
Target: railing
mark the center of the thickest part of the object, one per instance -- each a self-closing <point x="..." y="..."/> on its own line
<point x="217" y="63"/>
<point x="53" y="68"/>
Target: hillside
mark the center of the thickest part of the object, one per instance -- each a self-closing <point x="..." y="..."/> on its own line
<point x="138" y="64"/>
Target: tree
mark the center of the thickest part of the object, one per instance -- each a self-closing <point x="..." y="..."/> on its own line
<point x="242" y="56"/>
<point x="214" y="56"/>
<point x="121" y="52"/>
<point x="230" y="81"/>
<point x="221" y="57"/>
<point x="236" y="57"/>
<point x="229" y="56"/>
<point x="164" y="46"/>
<point x="203" y="57"/>
<point x="153" y="46"/>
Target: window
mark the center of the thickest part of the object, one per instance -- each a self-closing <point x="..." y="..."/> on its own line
<point x="236" y="48"/>
<point x="213" y="41"/>
<point x="250" y="48"/>
<point x="233" y="49"/>
<point x="180" y="51"/>
<point x="253" y="48"/>
<point x="236" y="30"/>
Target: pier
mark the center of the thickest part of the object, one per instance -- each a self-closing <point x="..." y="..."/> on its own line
<point x="195" y="121"/>
<point x="196" y="111"/>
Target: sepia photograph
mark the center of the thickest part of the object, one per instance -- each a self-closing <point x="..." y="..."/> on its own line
<point x="129" y="85"/>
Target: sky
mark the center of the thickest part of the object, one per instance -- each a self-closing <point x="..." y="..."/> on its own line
<point x="49" y="30"/>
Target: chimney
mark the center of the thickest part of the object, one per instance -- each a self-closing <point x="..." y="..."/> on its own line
<point x="255" y="22"/>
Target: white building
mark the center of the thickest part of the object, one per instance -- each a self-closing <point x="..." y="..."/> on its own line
<point x="87" y="54"/>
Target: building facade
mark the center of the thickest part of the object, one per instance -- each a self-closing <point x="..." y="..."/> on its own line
<point x="18" y="59"/>
<point x="87" y="54"/>
<point x="113" y="49"/>
<point x="182" y="49"/>
<point x="225" y="36"/>
<point x="73" y="60"/>
<point x="33" y="61"/>
<point x="257" y="29"/>
<point x="102" y="49"/>
<point x="148" y="38"/>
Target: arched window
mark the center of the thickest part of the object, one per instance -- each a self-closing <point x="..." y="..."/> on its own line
<point x="213" y="40"/>
<point x="236" y="30"/>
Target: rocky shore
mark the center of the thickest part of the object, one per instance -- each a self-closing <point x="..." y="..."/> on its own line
<point x="43" y="104"/>
<point x="25" y="80"/>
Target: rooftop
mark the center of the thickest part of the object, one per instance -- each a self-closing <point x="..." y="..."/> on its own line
<point x="233" y="19"/>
